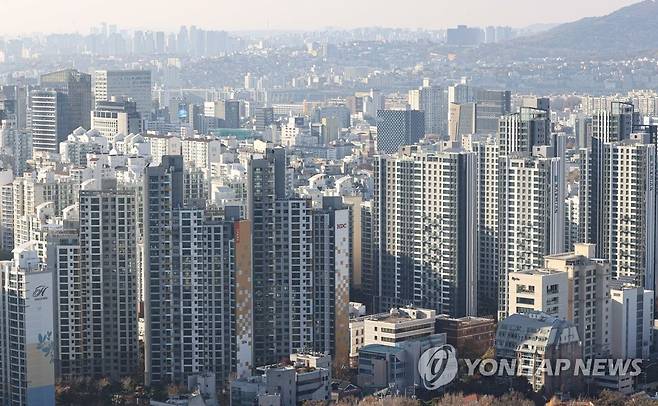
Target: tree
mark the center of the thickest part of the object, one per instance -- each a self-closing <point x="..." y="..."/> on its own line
<point x="128" y="384"/>
<point x="610" y="398"/>
<point x="451" y="399"/>
<point x="512" y="399"/>
<point x="315" y="403"/>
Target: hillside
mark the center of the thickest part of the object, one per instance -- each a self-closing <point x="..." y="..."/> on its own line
<point x="630" y="29"/>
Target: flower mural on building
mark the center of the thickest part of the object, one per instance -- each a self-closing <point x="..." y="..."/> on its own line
<point x="46" y="345"/>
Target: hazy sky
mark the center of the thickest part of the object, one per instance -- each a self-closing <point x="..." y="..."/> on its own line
<point x="23" y="16"/>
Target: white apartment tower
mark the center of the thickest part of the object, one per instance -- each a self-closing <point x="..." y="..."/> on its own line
<point x="28" y="345"/>
<point x="588" y="296"/>
<point x="96" y="263"/>
<point x="627" y="209"/>
<point x="424" y="230"/>
<point x="531" y="219"/>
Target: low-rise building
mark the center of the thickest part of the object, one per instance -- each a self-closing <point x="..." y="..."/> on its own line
<point x="544" y="290"/>
<point x="394" y="367"/>
<point x="306" y="378"/>
<point x="468" y="334"/>
<point x="389" y="329"/>
<point x="531" y="339"/>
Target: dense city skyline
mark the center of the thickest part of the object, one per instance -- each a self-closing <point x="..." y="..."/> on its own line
<point x="195" y="216"/>
<point x="73" y="16"/>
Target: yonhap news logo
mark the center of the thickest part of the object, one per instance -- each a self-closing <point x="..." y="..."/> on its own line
<point x="438" y="366"/>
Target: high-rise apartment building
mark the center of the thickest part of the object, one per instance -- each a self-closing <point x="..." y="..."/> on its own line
<point x="17" y="144"/>
<point x="95" y="260"/>
<point x="430" y="100"/>
<point x="531" y="214"/>
<point x="486" y="147"/>
<point x="424" y="230"/>
<point x="521" y="131"/>
<point x="27" y="327"/>
<point x="300" y="266"/>
<point x="196" y="265"/>
<point x="620" y="201"/>
<point x="134" y="85"/>
<point x="35" y="189"/>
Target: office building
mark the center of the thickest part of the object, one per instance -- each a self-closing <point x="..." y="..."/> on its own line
<point x="462" y="120"/>
<point x="76" y="89"/>
<point x="264" y="118"/>
<point x="469" y="335"/>
<point x="491" y="105"/>
<point x="395" y="367"/>
<point x="116" y="117"/>
<point x="396" y="128"/>
<point x="231" y="114"/>
<point x="48" y="120"/>
<point x="424" y="230"/>
<point x="130" y="85"/>
<point x="390" y="328"/>
<point x="27" y="322"/>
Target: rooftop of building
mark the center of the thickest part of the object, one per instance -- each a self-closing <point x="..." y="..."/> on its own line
<point x="401" y="315"/>
<point x="466" y="319"/>
<point x="382" y="349"/>
<point x="537" y="272"/>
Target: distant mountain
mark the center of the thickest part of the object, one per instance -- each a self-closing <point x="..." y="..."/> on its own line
<point x="630" y="29"/>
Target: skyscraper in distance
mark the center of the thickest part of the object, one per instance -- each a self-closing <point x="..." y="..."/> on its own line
<point x="132" y="85"/>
